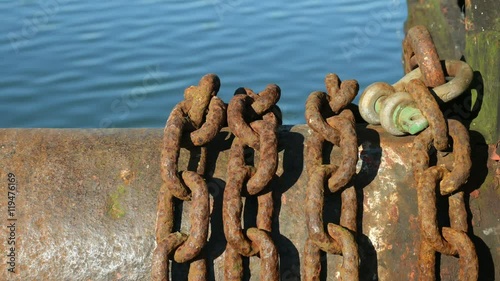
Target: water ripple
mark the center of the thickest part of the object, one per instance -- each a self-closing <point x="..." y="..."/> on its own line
<point x="85" y="63"/>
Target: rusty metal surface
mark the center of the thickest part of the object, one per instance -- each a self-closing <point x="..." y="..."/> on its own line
<point x="86" y="205"/>
<point x="430" y="109"/>
<point x="419" y="51"/>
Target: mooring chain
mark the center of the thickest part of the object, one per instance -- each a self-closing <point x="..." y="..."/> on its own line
<point x="201" y="114"/>
<point x="253" y="120"/>
<point x="393" y="107"/>
<point x="419" y="51"/>
<point x="451" y="240"/>
<point x="331" y="122"/>
<point x="411" y="105"/>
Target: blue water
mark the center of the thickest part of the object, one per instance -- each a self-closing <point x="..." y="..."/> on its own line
<point x="68" y="63"/>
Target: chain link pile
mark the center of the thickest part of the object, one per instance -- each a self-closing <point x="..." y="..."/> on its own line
<point x="409" y="106"/>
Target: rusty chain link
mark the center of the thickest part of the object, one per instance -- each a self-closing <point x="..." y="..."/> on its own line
<point x="419" y="50"/>
<point x="430" y="109"/>
<point x="454" y="239"/>
<point x="253" y="120"/>
<point x="451" y="240"/>
<point x="394" y="108"/>
<point x="331" y="122"/>
<point x="201" y="114"/>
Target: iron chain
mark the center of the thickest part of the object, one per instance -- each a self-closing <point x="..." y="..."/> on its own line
<point x="202" y="115"/>
<point x="254" y="118"/>
<point x="334" y="125"/>
<point x="394" y="108"/>
<point x="452" y="240"/>
<point x="419" y="51"/>
<point x="260" y="133"/>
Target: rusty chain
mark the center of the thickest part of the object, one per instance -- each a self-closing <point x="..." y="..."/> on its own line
<point x="331" y="122"/>
<point x="394" y="108"/>
<point x="452" y="240"/>
<point x="201" y="114"/>
<point x="253" y="120"/>
<point x="419" y="51"/>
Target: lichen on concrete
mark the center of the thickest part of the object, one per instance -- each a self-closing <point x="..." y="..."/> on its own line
<point x="115" y="208"/>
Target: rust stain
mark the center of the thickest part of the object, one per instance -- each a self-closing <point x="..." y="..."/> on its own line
<point x="476" y="215"/>
<point x="393" y="213"/>
<point x="475" y="194"/>
<point x="127" y="176"/>
<point x="413" y="220"/>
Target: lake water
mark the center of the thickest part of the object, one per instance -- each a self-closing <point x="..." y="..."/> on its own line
<point x="68" y="63"/>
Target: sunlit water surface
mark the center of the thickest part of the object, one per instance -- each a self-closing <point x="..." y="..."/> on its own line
<point x="68" y="63"/>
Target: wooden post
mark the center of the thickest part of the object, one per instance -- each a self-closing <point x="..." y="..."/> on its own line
<point x="482" y="52"/>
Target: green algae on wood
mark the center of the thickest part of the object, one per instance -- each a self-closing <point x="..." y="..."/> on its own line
<point x="482" y="52"/>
